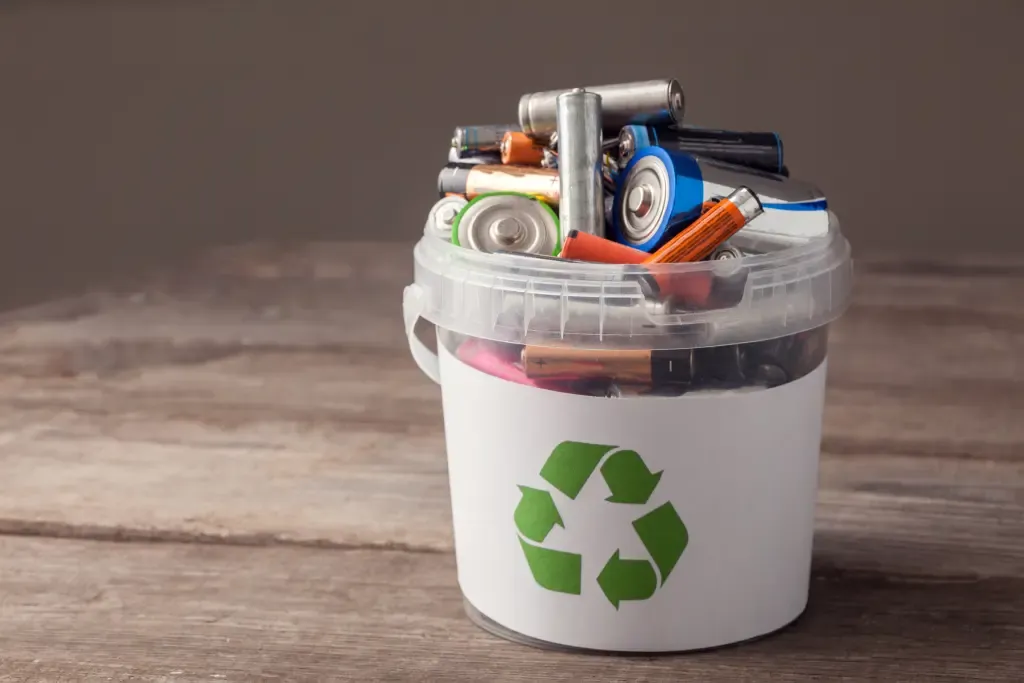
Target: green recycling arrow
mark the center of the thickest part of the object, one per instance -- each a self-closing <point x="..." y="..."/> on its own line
<point x="570" y="465"/>
<point x="555" y="570"/>
<point x="627" y="580"/>
<point x="664" y="535"/>
<point x="628" y="478"/>
<point x="536" y="514"/>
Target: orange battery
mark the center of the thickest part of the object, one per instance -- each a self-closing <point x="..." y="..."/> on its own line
<point x="583" y="246"/>
<point x="715" y="226"/>
<point x="628" y="366"/>
<point x="520" y="148"/>
<point x="691" y="289"/>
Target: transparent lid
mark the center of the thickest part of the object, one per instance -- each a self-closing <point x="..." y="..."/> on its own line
<point x="521" y="299"/>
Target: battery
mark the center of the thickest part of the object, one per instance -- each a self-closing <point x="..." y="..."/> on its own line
<point x="580" y="162"/>
<point x="442" y="216"/>
<point x="625" y="366"/>
<point x="520" y="148"/>
<point x="474" y="158"/>
<point x="761" y="151"/>
<point x="507" y="221"/>
<point x="696" y="290"/>
<point x="473" y="180"/>
<point x="659" y="102"/>
<point x="470" y="140"/>
<point x="716" y="367"/>
<point x="725" y="252"/>
<point x="700" y="239"/>
<point x="662" y="191"/>
<point x="586" y="247"/>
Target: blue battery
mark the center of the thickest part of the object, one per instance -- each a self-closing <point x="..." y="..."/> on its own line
<point x="669" y="202"/>
<point x="661" y="191"/>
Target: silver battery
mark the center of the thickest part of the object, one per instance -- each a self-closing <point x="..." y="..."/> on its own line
<point x="473" y="158"/>
<point x="580" y="162"/>
<point x="626" y="145"/>
<point x="653" y="103"/>
<point x="508" y="222"/>
<point x="469" y="140"/>
<point x="442" y="215"/>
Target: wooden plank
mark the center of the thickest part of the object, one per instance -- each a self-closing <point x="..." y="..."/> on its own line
<point x="83" y="610"/>
<point x="264" y="394"/>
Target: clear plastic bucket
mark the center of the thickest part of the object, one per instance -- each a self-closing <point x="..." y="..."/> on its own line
<point x="632" y="452"/>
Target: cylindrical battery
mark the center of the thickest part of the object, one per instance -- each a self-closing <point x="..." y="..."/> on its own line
<point x="519" y="148"/>
<point x="470" y="140"/>
<point x="658" y="102"/>
<point x="725" y="252"/>
<point x="661" y="192"/>
<point x="442" y="217"/>
<point x="473" y="180"/>
<point x="473" y="159"/>
<point x="701" y="238"/>
<point x="630" y="366"/>
<point x="580" y="162"/>
<point x="761" y="151"/>
<point x="507" y="221"/>
<point x="586" y="247"/>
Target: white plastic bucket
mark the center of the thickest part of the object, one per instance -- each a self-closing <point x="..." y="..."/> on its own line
<point x="643" y="523"/>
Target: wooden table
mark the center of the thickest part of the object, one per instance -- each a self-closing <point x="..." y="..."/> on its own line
<point x="234" y="470"/>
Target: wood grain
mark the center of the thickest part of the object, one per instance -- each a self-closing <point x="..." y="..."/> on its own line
<point x="173" y="612"/>
<point x="239" y="460"/>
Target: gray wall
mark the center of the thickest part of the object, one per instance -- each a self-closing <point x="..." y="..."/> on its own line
<point x="132" y="132"/>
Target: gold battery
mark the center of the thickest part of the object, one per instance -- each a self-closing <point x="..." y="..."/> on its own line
<point x="625" y="366"/>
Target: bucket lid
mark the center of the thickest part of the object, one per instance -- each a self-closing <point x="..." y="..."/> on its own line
<point x="520" y="299"/>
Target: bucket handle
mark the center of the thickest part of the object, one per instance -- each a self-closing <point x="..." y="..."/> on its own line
<point x="412" y="306"/>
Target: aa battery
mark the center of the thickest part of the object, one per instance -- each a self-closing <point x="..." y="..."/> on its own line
<point x="718" y="367"/>
<point x="473" y="180"/>
<point x="470" y="140"/>
<point x="442" y="216"/>
<point x="624" y="366"/>
<point x="580" y="162"/>
<point x="520" y="149"/>
<point x="658" y="102"/>
<point x="509" y="222"/>
<point x="661" y="192"/>
<point x="700" y="239"/>
<point x="761" y="151"/>
<point x="473" y="159"/>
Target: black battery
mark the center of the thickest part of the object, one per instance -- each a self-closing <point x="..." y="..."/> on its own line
<point x="758" y="150"/>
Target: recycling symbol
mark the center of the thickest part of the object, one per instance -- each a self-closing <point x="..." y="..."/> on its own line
<point x="661" y="531"/>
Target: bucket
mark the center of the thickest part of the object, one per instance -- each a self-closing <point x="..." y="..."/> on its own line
<point x="630" y="474"/>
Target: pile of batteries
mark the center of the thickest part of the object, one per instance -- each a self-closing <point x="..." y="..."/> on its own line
<point x="619" y="373"/>
<point x="610" y="174"/>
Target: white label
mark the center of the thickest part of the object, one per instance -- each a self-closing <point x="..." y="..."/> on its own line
<point x="632" y="524"/>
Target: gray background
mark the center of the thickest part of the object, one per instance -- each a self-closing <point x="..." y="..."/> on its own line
<point x="137" y="132"/>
